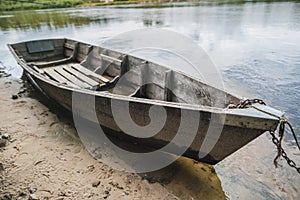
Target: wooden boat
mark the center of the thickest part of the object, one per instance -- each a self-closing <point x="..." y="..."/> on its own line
<point x="59" y="67"/>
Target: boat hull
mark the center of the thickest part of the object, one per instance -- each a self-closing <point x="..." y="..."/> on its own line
<point x="229" y="140"/>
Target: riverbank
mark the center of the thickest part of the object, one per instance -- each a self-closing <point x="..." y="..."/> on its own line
<point x="7" y="5"/>
<point x="43" y="158"/>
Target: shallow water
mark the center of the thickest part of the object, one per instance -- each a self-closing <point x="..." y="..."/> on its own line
<point x="256" y="47"/>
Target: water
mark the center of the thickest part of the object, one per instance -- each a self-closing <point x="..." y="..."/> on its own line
<point x="256" y="46"/>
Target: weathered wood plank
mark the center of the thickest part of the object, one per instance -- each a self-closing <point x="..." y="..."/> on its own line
<point x="69" y="46"/>
<point x="89" y="73"/>
<point x="110" y="59"/>
<point x="126" y="90"/>
<point x="71" y="78"/>
<point x="109" y="64"/>
<point x="111" y="68"/>
<point x="71" y="49"/>
<point x="168" y="85"/>
<point x="109" y="77"/>
<point x="40" y="71"/>
<point x="49" y="63"/>
<point x="93" y="59"/>
<point x="80" y="76"/>
<point x="57" y="77"/>
<point x="82" y="51"/>
<point x="37" y="69"/>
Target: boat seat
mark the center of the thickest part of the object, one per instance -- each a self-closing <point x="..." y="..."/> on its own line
<point x="50" y="63"/>
<point x="111" y="59"/>
<point x="60" y="61"/>
<point x="109" y="65"/>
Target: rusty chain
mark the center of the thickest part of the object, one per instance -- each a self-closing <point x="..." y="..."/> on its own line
<point x="282" y="153"/>
<point x="275" y="140"/>
<point x="247" y="102"/>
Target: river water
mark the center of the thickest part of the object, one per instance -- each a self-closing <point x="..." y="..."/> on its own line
<point x="255" y="46"/>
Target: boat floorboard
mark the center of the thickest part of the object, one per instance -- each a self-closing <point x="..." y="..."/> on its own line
<point x="71" y="77"/>
<point x="87" y="72"/>
<point x="59" y="78"/>
<point x="75" y="75"/>
<point x="81" y="76"/>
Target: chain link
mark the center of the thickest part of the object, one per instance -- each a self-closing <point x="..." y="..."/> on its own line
<point x="282" y="153"/>
<point x="277" y="141"/>
<point x="247" y="102"/>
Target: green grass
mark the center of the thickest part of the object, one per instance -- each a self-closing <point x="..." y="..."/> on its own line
<point x="54" y="19"/>
<point x="116" y="2"/>
<point x="7" y="5"/>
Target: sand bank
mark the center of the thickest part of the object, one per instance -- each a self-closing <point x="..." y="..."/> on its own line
<point x="44" y="159"/>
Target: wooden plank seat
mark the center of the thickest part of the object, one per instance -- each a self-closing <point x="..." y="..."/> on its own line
<point x="106" y="64"/>
<point x="110" y="59"/>
<point x="50" y="63"/>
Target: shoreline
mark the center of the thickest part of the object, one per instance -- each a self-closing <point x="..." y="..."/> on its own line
<point x="79" y="3"/>
<point x="85" y="3"/>
<point x="44" y="158"/>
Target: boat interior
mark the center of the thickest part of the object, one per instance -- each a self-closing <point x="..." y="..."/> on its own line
<point x="83" y="66"/>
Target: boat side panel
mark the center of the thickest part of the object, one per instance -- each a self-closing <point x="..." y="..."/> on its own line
<point x="168" y="85"/>
<point x="93" y="60"/>
<point x="82" y="52"/>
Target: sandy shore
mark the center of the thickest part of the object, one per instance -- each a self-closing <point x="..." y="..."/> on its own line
<point x="44" y="159"/>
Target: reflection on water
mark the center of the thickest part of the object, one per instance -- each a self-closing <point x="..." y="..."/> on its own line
<point x="53" y="20"/>
<point x="150" y="22"/>
<point x="255" y="45"/>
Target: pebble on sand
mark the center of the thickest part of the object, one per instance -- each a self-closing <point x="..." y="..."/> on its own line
<point x="96" y="183"/>
<point x="33" y="197"/>
<point x="5" y="136"/>
<point x="14" y="96"/>
<point x="107" y="192"/>
<point x="1" y="167"/>
<point x="32" y="190"/>
<point x="7" y="196"/>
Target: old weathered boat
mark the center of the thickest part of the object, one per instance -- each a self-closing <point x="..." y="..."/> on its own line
<point x="60" y="67"/>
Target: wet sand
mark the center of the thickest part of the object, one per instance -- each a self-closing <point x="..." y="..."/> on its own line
<point x="45" y="157"/>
